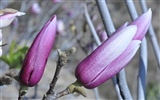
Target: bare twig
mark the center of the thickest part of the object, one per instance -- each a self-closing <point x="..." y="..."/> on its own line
<point x="105" y="15"/>
<point x="142" y="70"/>
<point x="143" y="56"/>
<point x="69" y="43"/>
<point x="5" y="80"/>
<point x="93" y="31"/>
<point x="22" y="91"/>
<point x="30" y="33"/>
<point x="152" y="35"/>
<point x="3" y="45"/>
<point x="62" y="60"/>
<point x="8" y="77"/>
<point x="98" y="42"/>
<point x="74" y="87"/>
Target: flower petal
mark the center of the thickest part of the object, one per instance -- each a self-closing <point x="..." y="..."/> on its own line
<point x="6" y="19"/>
<point x="36" y="58"/>
<point x="113" y="68"/>
<point x="143" y="23"/>
<point x="109" y="50"/>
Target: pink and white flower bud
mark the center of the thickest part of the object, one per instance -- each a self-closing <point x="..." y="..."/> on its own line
<point x="94" y="64"/>
<point x="7" y="18"/>
<point x="116" y="65"/>
<point x="113" y="54"/>
<point x="36" y="58"/>
<point x="35" y="8"/>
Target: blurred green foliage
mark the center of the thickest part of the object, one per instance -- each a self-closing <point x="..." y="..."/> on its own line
<point x="15" y="57"/>
<point x="153" y="91"/>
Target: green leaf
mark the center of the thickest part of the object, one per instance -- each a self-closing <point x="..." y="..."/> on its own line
<point x="15" y="57"/>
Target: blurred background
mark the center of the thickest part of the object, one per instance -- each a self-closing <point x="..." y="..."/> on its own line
<point x="72" y="30"/>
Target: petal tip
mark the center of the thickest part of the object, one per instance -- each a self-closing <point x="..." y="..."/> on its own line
<point x="20" y="13"/>
<point x="149" y="12"/>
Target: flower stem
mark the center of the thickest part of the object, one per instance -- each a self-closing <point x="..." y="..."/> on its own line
<point x="62" y="60"/>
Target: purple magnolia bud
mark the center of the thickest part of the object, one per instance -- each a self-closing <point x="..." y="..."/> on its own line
<point x="113" y="54"/>
<point x="36" y="58"/>
<point x="35" y="8"/>
<point x="7" y="17"/>
<point x="0" y="43"/>
<point x="94" y="64"/>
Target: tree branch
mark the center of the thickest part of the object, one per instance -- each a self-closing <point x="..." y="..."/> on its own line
<point x="62" y="60"/>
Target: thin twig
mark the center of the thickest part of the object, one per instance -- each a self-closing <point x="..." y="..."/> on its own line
<point x="93" y="31"/>
<point x="109" y="27"/>
<point x="22" y="91"/>
<point x="143" y="56"/>
<point x="30" y="34"/>
<point x="69" y="44"/>
<point x="7" y="78"/>
<point x="152" y="35"/>
<point x="142" y="71"/>
<point x="3" y="45"/>
<point x="63" y="93"/>
<point x="96" y="93"/>
<point x="98" y="42"/>
<point x="74" y="87"/>
<point x="62" y="60"/>
<point x="105" y="16"/>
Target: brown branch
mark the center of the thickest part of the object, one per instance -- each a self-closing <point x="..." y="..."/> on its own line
<point x="62" y="60"/>
<point x="22" y="91"/>
<point x="74" y="87"/>
<point x="3" y="45"/>
<point x="7" y="78"/>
